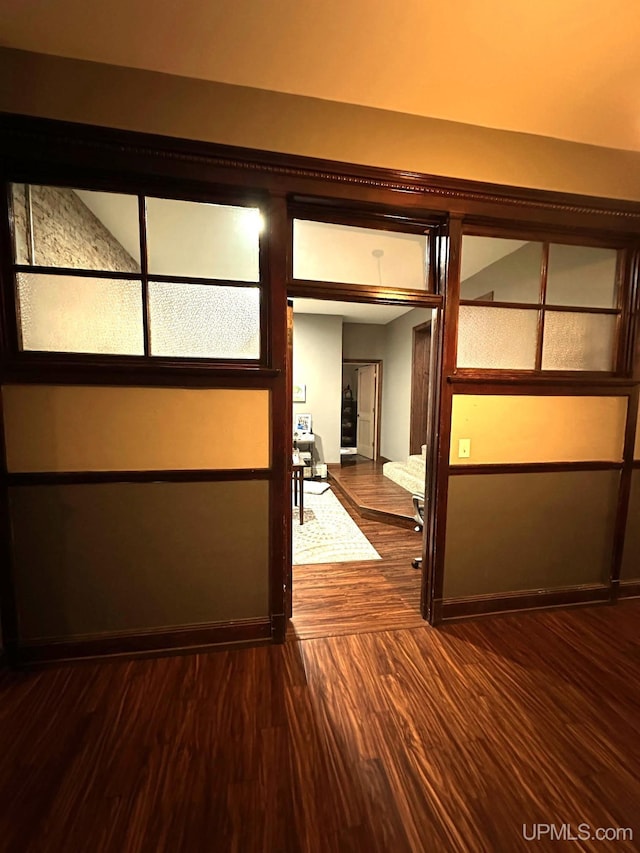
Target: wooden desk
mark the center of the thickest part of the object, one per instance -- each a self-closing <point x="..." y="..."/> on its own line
<point x="298" y="485"/>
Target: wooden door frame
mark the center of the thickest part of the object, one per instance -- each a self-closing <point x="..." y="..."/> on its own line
<point x="378" y="363"/>
<point x="421" y="327"/>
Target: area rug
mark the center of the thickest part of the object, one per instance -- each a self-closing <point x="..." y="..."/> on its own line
<point x="329" y="534"/>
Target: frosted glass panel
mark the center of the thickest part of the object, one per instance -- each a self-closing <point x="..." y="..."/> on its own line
<point x="187" y="238"/>
<point x="580" y="275"/>
<point x="578" y="341"/>
<point x="59" y="313"/>
<point x="343" y="253"/>
<point x="500" y="270"/>
<point x="59" y="227"/>
<point x="497" y="338"/>
<point x="204" y="321"/>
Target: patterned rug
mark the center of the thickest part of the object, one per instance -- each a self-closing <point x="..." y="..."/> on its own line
<point x="329" y="534"/>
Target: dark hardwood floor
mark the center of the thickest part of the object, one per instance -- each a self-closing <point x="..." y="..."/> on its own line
<point x="410" y="740"/>
<point x="372" y="595"/>
<point x="365" y="486"/>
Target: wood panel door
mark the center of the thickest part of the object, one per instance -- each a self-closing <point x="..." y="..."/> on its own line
<point x="367" y="408"/>
<point x="420" y="387"/>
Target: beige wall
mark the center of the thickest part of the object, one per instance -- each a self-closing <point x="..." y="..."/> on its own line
<point x="510" y="429"/>
<point x="317" y="363"/>
<point x="78" y="428"/>
<point x="363" y="340"/>
<point x="79" y="91"/>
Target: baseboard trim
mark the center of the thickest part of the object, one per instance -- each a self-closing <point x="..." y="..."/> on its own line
<point x="629" y="589"/>
<point x="189" y="639"/>
<point x="486" y="605"/>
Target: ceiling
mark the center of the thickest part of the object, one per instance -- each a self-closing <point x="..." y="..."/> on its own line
<point x="568" y="69"/>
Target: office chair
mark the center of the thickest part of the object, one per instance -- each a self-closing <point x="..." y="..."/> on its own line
<point x="418" y="515"/>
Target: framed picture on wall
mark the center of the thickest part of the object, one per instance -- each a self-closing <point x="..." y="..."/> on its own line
<point x="302" y="423"/>
<point x="299" y="393"/>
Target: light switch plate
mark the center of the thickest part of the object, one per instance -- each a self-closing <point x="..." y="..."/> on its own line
<point x="464" y="448"/>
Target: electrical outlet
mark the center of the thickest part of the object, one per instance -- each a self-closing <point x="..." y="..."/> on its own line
<point x="464" y="448"/>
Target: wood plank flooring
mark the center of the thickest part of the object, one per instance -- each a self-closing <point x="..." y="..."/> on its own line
<point x="366" y="486"/>
<point x="410" y="740"/>
<point x="373" y="595"/>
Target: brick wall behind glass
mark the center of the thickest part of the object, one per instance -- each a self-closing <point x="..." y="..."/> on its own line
<point x="67" y="233"/>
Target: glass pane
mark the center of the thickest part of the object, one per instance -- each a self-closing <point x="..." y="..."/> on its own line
<point x="187" y="238"/>
<point x="204" y="321"/>
<point x="500" y="270"/>
<point x="578" y="341"/>
<point x="58" y="227"/>
<point x="581" y="275"/>
<point x="497" y="338"/>
<point x="61" y="313"/>
<point x="343" y="253"/>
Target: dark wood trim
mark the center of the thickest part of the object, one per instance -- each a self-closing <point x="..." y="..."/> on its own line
<point x="581" y="385"/>
<point x="624" y="491"/>
<point x="416" y="437"/>
<point x="58" y="144"/>
<point x="546" y="232"/>
<point x="484" y="605"/>
<point x="629" y="589"/>
<point x="162" y="641"/>
<point x="76" y="272"/>
<point x="544" y="274"/>
<point x="159" y="373"/>
<point x="280" y="571"/>
<point x="8" y="608"/>
<point x="363" y="215"/>
<point x="144" y="272"/>
<point x="345" y="292"/>
<point x="439" y="441"/>
<point x="532" y="467"/>
<point x="204" y="475"/>
<point x="535" y="306"/>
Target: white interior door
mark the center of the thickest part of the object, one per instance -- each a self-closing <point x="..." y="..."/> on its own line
<point x="366" y="431"/>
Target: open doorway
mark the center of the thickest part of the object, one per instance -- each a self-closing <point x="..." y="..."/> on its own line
<point x="352" y="367"/>
<point x="361" y="411"/>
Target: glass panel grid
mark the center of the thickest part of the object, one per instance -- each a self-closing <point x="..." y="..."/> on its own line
<point x="578" y="341"/>
<point x="198" y="240"/>
<point x="501" y="270"/>
<point x="62" y="313"/>
<point x="76" y="229"/>
<point x="204" y="321"/>
<point x="497" y="338"/>
<point x="582" y="276"/>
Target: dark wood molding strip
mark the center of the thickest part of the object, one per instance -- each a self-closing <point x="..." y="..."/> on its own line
<point x="581" y="385"/>
<point x="532" y="467"/>
<point x="191" y="638"/>
<point x="484" y="605"/>
<point x="629" y="589"/>
<point x="67" y="141"/>
<point x="624" y="490"/>
<point x="153" y="373"/>
<point x="204" y="475"/>
<point x="534" y="306"/>
<point x="362" y="293"/>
